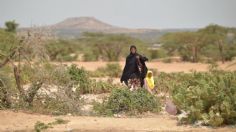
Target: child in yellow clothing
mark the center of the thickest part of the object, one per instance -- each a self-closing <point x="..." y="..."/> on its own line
<point x="149" y="82"/>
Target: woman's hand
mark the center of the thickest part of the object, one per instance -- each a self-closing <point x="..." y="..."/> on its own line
<point x="139" y="62"/>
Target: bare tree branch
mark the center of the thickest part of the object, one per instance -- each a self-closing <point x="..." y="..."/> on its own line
<point x="8" y="59"/>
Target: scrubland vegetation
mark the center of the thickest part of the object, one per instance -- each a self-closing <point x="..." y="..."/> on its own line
<point x="28" y="81"/>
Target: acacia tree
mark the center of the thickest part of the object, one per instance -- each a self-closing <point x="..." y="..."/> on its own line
<point x="60" y="50"/>
<point x="16" y="49"/>
<point x="217" y="35"/>
<point x="187" y="44"/>
<point x="190" y="44"/>
<point x="109" y="46"/>
<point x="11" y="26"/>
<point x="171" y="43"/>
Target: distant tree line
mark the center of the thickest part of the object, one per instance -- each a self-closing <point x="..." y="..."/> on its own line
<point x="209" y="44"/>
<point x="214" y="42"/>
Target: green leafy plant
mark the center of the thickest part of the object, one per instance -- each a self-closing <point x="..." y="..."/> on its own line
<point x="124" y="100"/>
<point x="101" y="87"/>
<point x="81" y="78"/>
<point x="86" y="85"/>
<point x="208" y="97"/>
<point x="56" y="105"/>
<point x="39" y="126"/>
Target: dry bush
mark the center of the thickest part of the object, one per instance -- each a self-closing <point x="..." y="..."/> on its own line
<point x="35" y="78"/>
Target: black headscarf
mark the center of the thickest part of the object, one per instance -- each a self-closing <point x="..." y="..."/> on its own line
<point x="132" y="46"/>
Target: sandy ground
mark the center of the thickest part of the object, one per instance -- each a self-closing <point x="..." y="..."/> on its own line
<point x="160" y="66"/>
<point x="20" y="121"/>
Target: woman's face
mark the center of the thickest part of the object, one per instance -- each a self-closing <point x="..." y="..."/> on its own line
<point x="133" y="50"/>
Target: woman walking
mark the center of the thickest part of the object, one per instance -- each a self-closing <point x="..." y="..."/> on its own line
<point x="135" y="69"/>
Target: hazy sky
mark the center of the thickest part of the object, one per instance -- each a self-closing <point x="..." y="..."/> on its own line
<point x="125" y="13"/>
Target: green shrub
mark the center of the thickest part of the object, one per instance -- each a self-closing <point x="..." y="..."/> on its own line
<point x="90" y="56"/>
<point x="209" y="97"/>
<point x="101" y="87"/>
<point x="113" y="69"/>
<point x="56" y="105"/>
<point x="165" y="81"/>
<point x="81" y="78"/>
<point x="86" y="85"/>
<point x="156" y="54"/>
<point x="8" y="41"/>
<point x="39" y="126"/>
<point x="124" y="100"/>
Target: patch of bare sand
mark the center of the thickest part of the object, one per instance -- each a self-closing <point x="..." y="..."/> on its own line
<point x="20" y="121"/>
<point x="160" y="66"/>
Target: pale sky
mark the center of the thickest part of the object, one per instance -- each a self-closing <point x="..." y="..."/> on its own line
<point x="159" y="14"/>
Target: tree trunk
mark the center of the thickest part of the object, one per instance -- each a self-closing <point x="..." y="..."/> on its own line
<point x="33" y="91"/>
<point x="221" y="50"/>
<point x="18" y="82"/>
<point x="194" y="54"/>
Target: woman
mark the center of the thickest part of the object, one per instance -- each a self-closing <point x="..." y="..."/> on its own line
<point x="135" y="68"/>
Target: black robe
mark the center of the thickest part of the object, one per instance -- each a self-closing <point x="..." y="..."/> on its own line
<point x="132" y="68"/>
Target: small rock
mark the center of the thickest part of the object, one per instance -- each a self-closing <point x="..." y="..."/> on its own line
<point x="170" y="107"/>
<point x="182" y="115"/>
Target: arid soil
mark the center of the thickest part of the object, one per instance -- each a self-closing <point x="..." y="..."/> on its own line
<point x="160" y="66"/>
<point x="21" y="121"/>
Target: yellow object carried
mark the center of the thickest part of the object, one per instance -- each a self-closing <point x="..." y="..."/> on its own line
<point x="150" y="80"/>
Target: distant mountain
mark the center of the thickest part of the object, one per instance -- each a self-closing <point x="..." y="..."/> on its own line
<point x="93" y="24"/>
<point x="73" y="27"/>
<point x="83" y="23"/>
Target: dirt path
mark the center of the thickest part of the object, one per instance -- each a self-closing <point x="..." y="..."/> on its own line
<point x="20" y="121"/>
